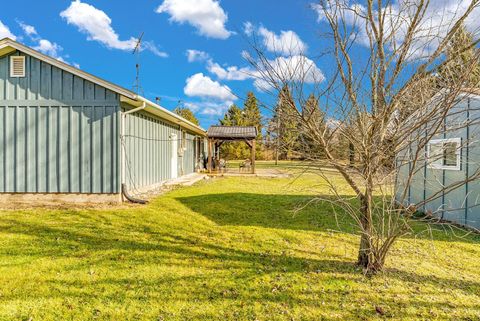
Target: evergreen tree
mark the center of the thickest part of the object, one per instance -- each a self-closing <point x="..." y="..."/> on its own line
<point x="311" y="111"/>
<point x="233" y="117"/>
<point x="253" y="117"/>
<point x="233" y="150"/>
<point x="286" y="123"/>
<point x="186" y="113"/>
<point x="314" y="117"/>
<point x="251" y="112"/>
<point x="461" y="61"/>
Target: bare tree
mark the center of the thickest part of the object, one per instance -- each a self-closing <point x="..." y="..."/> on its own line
<point x="385" y="105"/>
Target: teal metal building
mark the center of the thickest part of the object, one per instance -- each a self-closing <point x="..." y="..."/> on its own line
<point x="444" y="180"/>
<point x="65" y="131"/>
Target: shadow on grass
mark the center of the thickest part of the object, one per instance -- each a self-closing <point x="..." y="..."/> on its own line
<point x="297" y="212"/>
<point x="294" y="212"/>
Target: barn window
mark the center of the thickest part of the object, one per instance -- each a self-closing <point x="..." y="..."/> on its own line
<point x="17" y="66"/>
<point x="444" y="153"/>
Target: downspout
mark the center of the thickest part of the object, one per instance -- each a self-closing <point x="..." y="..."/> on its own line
<point x="124" y="155"/>
<point x="182" y="149"/>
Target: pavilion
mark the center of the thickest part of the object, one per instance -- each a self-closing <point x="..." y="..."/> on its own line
<point x="217" y="135"/>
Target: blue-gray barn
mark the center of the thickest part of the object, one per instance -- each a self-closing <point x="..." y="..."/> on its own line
<point x="441" y="177"/>
<point x="65" y="131"/>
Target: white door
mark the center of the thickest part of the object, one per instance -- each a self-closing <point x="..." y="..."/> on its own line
<point x="174" y="160"/>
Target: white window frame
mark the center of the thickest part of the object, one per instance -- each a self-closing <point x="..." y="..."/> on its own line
<point x="458" y="153"/>
<point x="11" y="66"/>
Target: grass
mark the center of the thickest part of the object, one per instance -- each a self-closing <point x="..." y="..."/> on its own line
<point x="225" y="249"/>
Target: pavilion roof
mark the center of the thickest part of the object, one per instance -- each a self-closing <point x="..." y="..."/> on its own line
<point x="232" y="132"/>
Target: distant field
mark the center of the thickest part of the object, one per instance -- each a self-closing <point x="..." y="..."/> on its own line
<point x="226" y="249"/>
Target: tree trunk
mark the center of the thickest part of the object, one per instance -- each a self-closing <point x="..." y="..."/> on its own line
<point x="276" y="154"/>
<point x="351" y="154"/>
<point x="365" y="250"/>
<point x="367" y="257"/>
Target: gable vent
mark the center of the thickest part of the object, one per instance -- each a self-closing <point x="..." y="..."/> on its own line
<point x="17" y="66"/>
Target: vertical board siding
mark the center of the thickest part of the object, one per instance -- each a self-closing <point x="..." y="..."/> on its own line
<point x="58" y="132"/>
<point x="459" y="205"/>
<point x="189" y="154"/>
<point x="148" y="150"/>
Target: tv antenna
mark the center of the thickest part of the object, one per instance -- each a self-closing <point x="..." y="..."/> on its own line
<point x="180" y="104"/>
<point x="137" y="86"/>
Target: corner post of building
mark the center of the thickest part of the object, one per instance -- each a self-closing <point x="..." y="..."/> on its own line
<point x="209" y="155"/>
<point x="253" y="155"/>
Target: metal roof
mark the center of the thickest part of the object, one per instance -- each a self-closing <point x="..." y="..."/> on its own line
<point x="8" y="45"/>
<point x="232" y="132"/>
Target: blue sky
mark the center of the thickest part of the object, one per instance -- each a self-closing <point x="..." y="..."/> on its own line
<point x="193" y="48"/>
<point x="97" y="36"/>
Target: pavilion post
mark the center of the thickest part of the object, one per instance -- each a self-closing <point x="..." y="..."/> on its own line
<point x="217" y="152"/>
<point x="253" y="156"/>
<point x="209" y="155"/>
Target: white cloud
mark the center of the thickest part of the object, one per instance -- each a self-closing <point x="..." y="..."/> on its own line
<point x="5" y="32"/>
<point x="222" y="73"/>
<point x="196" y="55"/>
<point x="97" y="25"/>
<point x="215" y="98"/>
<point x="48" y="48"/>
<point x="248" y="28"/>
<point x="230" y="72"/>
<point x="52" y="49"/>
<point x="287" y="43"/>
<point x="45" y="46"/>
<point x="28" y="29"/>
<point x="207" y="16"/>
<point x="439" y="17"/>
<point x="350" y="13"/>
<point x="211" y="108"/>
<point x="288" y="69"/>
<point x="150" y="46"/>
<point x="199" y="85"/>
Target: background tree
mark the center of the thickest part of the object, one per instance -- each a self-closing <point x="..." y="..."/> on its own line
<point x="251" y="112"/>
<point x="311" y="114"/>
<point x="285" y="120"/>
<point x="233" y="117"/>
<point x="186" y="113"/>
<point x="462" y="59"/>
<point x="253" y="117"/>
<point x="233" y="150"/>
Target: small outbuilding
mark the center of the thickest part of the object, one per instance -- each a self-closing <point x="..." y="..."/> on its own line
<point x="217" y="135"/>
<point x="65" y="132"/>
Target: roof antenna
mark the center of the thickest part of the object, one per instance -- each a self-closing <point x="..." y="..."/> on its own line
<point x="137" y="86"/>
<point x="180" y="104"/>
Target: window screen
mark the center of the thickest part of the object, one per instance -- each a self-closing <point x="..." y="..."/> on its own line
<point x="450" y="154"/>
<point x="444" y="153"/>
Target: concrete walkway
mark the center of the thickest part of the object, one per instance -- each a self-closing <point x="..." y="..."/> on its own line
<point x="260" y="172"/>
<point x="186" y="180"/>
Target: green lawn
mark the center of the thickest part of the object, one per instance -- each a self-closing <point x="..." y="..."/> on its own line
<point x="225" y="249"/>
